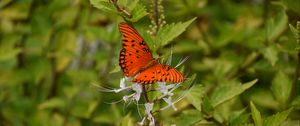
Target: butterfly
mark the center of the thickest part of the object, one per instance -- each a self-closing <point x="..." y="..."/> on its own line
<point x="136" y="60"/>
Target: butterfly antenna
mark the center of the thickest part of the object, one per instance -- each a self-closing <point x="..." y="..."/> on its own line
<point x="182" y="61"/>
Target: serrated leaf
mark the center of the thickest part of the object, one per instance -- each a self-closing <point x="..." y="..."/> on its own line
<point x="207" y="106"/>
<point x="276" y="25"/>
<point x="148" y="39"/>
<point x="138" y="12"/>
<point x="271" y="54"/>
<point x="104" y="5"/>
<point x="239" y="117"/>
<point x="281" y="88"/>
<point x="188" y="117"/>
<point x="52" y="103"/>
<point x="167" y="33"/>
<point x="296" y="32"/>
<point x="227" y="92"/>
<point x="293" y="29"/>
<point x="277" y="119"/>
<point x="255" y="115"/>
<point x="195" y="95"/>
<point x="263" y="98"/>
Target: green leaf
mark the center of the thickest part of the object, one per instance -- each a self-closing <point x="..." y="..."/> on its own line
<point x="167" y="33"/>
<point x="104" y="5"/>
<point x="138" y="12"/>
<point x="127" y="121"/>
<point x="148" y="38"/>
<point x="116" y="69"/>
<point x="207" y="106"/>
<point x="195" y="95"/>
<point x="66" y="16"/>
<point x="8" y="53"/>
<point x="227" y="92"/>
<point x="4" y="3"/>
<point x="292" y="5"/>
<point x="188" y="117"/>
<point x="271" y="54"/>
<point x="281" y="88"/>
<point x="239" y="117"/>
<point x="255" y="115"/>
<point x="277" y="119"/>
<point x="92" y="106"/>
<point x="296" y="102"/>
<point x="276" y="25"/>
<point x="293" y="29"/>
<point x="263" y="98"/>
<point x="16" y="11"/>
<point x="66" y="47"/>
<point x="296" y="32"/>
<point x="52" y="103"/>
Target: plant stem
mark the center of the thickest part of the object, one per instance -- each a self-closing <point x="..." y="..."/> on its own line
<point x="120" y="9"/>
<point x="21" y="57"/>
<point x="295" y="86"/>
<point x="145" y="93"/>
<point x="156" y="15"/>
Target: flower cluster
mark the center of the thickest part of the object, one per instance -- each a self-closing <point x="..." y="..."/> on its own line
<point x="157" y="17"/>
<point x="137" y="89"/>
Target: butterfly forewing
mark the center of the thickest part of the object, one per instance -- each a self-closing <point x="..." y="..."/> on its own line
<point x="135" y="53"/>
<point x="159" y="73"/>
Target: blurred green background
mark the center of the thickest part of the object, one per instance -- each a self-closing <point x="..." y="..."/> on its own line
<point x="54" y="53"/>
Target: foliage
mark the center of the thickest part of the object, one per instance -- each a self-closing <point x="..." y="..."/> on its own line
<point x="244" y="61"/>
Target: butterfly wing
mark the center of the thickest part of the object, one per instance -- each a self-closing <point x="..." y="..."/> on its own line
<point x="159" y="72"/>
<point x="135" y="53"/>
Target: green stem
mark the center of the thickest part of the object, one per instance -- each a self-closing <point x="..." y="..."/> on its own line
<point x="156" y="13"/>
<point x="295" y="86"/>
<point x="119" y="8"/>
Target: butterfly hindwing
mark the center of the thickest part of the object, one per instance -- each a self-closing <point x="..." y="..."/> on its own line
<point x="135" y="53"/>
<point x="159" y="73"/>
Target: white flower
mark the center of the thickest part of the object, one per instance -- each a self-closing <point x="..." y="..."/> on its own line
<point x="170" y="103"/>
<point x="149" y="107"/>
<point x="138" y="91"/>
<point x="122" y="83"/>
<point x="165" y="88"/>
<point x="127" y="97"/>
<point x="142" y="122"/>
<point x="122" y="86"/>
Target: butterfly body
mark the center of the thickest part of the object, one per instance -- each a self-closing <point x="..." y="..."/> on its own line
<point x="136" y="60"/>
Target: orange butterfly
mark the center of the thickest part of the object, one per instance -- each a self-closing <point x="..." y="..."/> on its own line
<point x="136" y="59"/>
